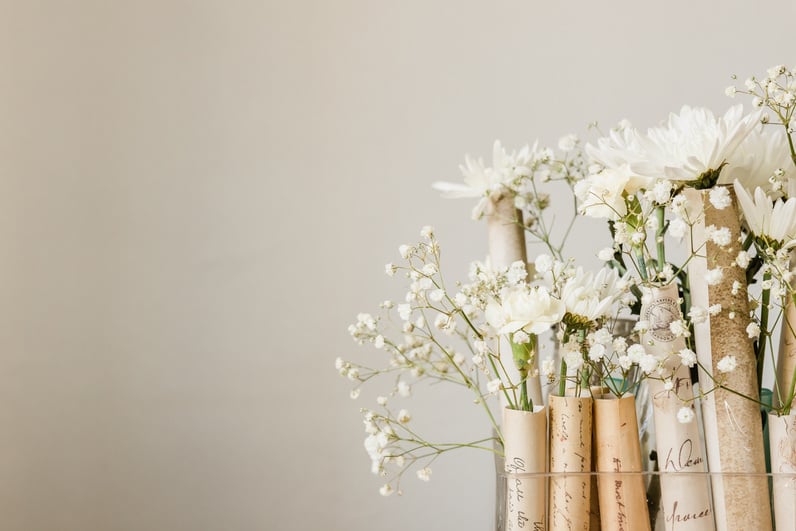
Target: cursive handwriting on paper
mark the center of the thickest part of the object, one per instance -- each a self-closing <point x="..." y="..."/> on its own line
<point x="621" y="516"/>
<point x="676" y="517"/>
<point x="684" y="458"/>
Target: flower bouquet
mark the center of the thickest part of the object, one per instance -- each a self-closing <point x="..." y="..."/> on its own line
<point x="700" y="218"/>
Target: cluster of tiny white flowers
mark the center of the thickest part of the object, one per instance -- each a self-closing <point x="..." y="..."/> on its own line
<point x="685" y="415"/>
<point x="720" y="236"/>
<point x="614" y="354"/>
<point x="777" y="90"/>
<point x="727" y="364"/>
<point x="714" y="276"/>
<point x="719" y="197"/>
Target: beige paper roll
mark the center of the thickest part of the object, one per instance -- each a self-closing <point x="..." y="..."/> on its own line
<point x="623" y="503"/>
<point x="786" y="361"/>
<point x="733" y="428"/>
<point x="506" y="240"/>
<point x="570" y="451"/>
<point x="685" y="500"/>
<point x="525" y="442"/>
<point x="782" y="439"/>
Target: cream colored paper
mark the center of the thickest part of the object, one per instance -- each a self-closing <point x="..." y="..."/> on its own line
<point x="786" y="361"/>
<point x="733" y="428"/>
<point x="685" y="501"/>
<point x="623" y="502"/>
<point x="570" y="451"/>
<point x="506" y="240"/>
<point x="525" y="440"/>
<point x="782" y="437"/>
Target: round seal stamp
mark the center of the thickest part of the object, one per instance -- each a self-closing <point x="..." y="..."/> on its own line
<point x="660" y="313"/>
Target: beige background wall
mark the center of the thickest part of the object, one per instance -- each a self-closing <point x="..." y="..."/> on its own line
<point x="196" y="197"/>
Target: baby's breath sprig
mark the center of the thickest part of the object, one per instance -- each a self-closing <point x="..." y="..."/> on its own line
<point x="777" y="92"/>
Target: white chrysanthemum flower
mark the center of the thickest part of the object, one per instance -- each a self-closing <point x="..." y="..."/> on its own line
<point x="685" y="415"/>
<point x="727" y="364"/>
<point x="602" y="195"/>
<point x="620" y="148"/>
<point x="773" y="220"/>
<point x="592" y="296"/>
<point x="532" y="309"/>
<point x="693" y="143"/>
<point x="489" y="183"/>
<point x="761" y="155"/>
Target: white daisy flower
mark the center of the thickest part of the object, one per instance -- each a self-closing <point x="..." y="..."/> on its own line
<point x="773" y="220"/>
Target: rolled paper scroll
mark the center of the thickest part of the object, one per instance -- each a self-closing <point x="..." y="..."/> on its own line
<point x="782" y="437"/>
<point x="685" y="501"/>
<point x="623" y="503"/>
<point x="733" y="428"/>
<point x="786" y="362"/>
<point x="525" y="439"/>
<point x="570" y="451"/>
<point x="506" y="239"/>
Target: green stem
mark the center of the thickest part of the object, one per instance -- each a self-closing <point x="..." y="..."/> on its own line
<point x="525" y="401"/>
<point x="522" y="359"/>
<point x="761" y="340"/>
<point x="659" y="214"/>
<point x="642" y="263"/>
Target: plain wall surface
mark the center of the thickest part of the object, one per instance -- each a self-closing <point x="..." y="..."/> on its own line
<point x="197" y="197"/>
